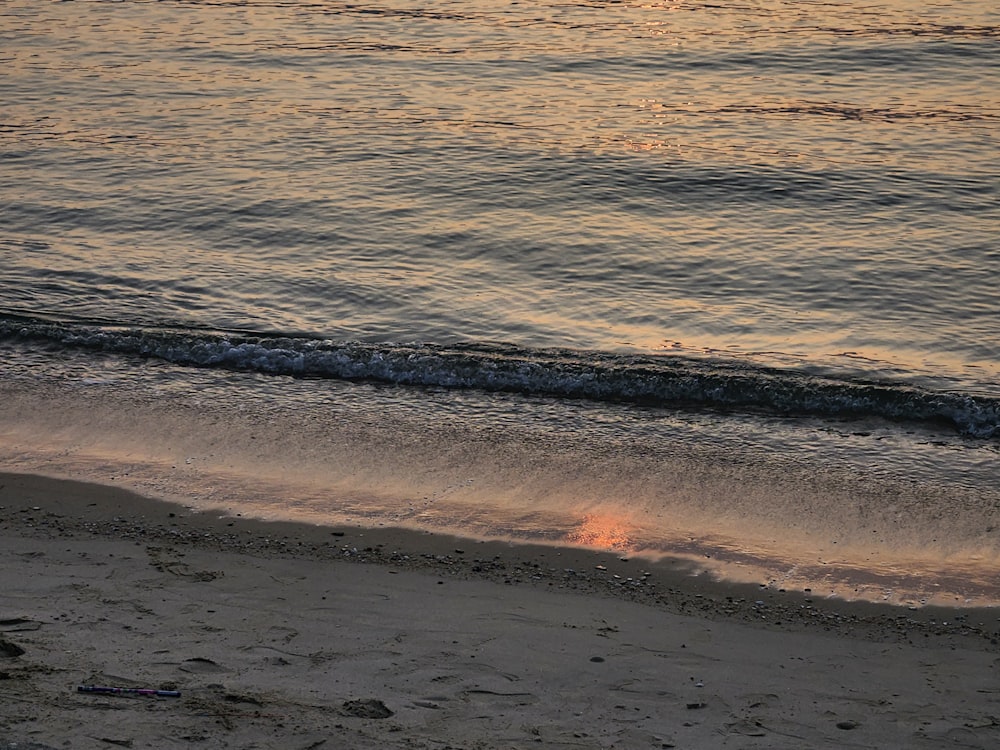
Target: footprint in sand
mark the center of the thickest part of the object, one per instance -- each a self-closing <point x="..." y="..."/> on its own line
<point x="9" y="650"/>
<point x="166" y="561"/>
<point x="14" y="624"/>
<point x="198" y="665"/>
<point x="370" y="708"/>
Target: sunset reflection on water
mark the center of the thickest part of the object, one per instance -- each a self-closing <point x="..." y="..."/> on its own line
<point x="602" y="531"/>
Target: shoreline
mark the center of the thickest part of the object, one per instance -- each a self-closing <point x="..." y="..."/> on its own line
<point x="36" y="504"/>
<point x="757" y="518"/>
<point x="286" y="634"/>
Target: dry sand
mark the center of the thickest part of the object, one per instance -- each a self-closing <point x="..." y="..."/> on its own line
<point x="292" y="636"/>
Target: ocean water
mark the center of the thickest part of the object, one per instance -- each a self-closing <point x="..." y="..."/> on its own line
<point x="717" y="281"/>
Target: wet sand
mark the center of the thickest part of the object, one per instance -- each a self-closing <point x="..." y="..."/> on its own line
<point x="298" y="636"/>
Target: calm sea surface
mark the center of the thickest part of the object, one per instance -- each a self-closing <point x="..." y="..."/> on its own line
<point x="718" y="280"/>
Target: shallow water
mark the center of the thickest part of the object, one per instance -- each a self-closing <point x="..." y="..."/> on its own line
<point x="851" y="507"/>
<point x="662" y="276"/>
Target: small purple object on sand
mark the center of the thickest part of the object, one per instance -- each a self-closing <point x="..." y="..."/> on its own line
<point x="128" y="691"/>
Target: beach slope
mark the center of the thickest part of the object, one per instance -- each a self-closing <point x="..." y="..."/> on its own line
<point x="275" y="635"/>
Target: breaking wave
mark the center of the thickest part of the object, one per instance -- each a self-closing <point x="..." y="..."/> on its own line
<point x="665" y="381"/>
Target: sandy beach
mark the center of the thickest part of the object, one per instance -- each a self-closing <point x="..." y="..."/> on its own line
<point x="295" y="636"/>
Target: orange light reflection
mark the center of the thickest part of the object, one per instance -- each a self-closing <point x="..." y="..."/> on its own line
<point x="602" y="531"/>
